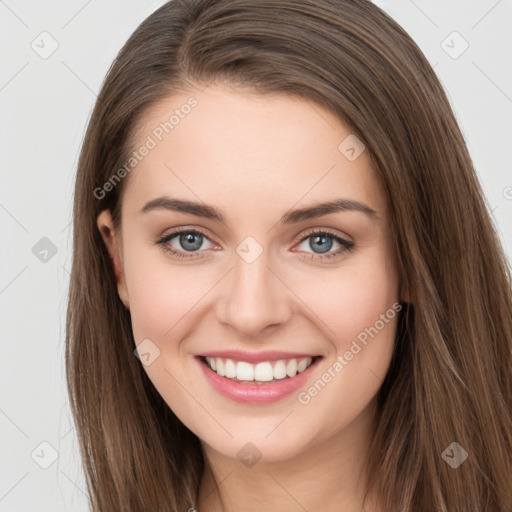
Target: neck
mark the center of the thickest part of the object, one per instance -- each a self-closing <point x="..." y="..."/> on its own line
<point x="329" y="476"/>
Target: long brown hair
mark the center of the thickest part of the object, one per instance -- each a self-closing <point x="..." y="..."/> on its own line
<point x="450" y="377"/>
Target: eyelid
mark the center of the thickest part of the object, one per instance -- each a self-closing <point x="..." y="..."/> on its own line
<point x="334" y="234"/>
<point x="166" y="238"/>
<point x="189" y="229"/>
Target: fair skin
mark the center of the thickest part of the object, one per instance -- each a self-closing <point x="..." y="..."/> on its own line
<point x="254" y="158"/>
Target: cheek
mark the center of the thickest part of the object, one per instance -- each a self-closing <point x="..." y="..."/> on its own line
<point x="359" y="310"/>
<point x="163" y="294"/>
<point x="165" y="306"/>
<point x="348" y="300"/>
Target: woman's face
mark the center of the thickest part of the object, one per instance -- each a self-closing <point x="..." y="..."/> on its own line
<point x="259" y="278"/>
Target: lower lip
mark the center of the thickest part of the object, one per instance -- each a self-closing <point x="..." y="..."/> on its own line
<point x="256" y="393"/>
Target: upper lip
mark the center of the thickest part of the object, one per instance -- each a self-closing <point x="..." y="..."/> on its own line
<point x="255" y="357"/>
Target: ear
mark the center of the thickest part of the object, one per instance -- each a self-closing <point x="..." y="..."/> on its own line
<point x="113" y="244"/>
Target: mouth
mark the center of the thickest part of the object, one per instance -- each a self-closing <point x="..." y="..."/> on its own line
<point x="264" y="372"/>
<point x="267" y="378"/>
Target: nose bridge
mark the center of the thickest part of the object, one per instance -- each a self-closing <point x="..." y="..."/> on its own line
<point x="254" y="297"/>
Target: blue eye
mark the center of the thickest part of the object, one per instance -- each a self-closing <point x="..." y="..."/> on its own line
<point x="323" y="241"/>
<point x="190" y="241"/>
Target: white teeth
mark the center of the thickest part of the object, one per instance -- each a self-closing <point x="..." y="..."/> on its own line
<point x="291" y="368"/>
<point x="303" y="364"/>
<point x="279" y="370"/>
<point x="212" y="362"/>
<point x="244" y="371"/>
<point x="261" y="372"/>
<point x="220" y="367"/>
<point x="230" y="369"/>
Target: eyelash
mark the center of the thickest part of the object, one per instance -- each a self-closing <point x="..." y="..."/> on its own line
<point x="347" y="245"/>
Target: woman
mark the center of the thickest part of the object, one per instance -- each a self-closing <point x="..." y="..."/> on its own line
<point x="276" y="213"/>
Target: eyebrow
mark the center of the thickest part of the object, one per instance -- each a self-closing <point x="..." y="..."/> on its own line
<point x="290" y="217"/>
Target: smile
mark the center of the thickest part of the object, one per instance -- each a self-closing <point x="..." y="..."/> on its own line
<point x="266" y="371"/>
<point x="267" y="378"/>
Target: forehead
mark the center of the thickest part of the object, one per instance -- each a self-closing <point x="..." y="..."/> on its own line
<point x="232" y="148"/>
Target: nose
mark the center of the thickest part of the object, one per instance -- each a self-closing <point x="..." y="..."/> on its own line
<point x="253" y="299"/>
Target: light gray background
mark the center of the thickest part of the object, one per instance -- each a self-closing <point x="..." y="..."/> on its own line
<point x="45" y="104"/>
